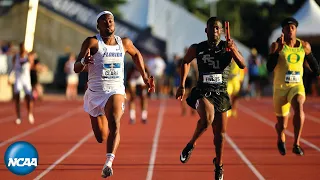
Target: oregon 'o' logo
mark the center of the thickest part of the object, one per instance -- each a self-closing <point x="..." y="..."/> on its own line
<point x="293" y="58"/>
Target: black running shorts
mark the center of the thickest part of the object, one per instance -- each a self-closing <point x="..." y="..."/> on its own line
<point x="219" y="98"/>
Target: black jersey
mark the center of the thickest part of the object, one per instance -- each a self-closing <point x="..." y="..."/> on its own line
<point x="213" y="66"/>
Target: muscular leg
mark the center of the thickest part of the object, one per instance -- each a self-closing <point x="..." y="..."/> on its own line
<point x="231" y="111"/>
<point x="298" y="118"/>
<point x="39" y="90"/>
<point x="29" y="102"/>
<point x="74" y="91"/>
<point x="68" y="92"/>
<point x="281" y="126"/>
<point x="100" y="125"/>
<point x="282" y="109"/>
<point x="235" y="104"/>
<point x="219" y="127"/>
<point x="100" y="128"/>
<point x="17" y="103"/>
<point x="132" y="107"/>
<point x="144" y="104"/>
<point x="114" y="110"/>
<point x="206" y="113"/>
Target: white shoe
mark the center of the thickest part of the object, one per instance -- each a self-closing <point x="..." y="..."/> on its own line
<point x="18" y="121"/>
<point x="31" y="119"/>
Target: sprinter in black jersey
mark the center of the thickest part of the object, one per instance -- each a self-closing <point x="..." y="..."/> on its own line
<point x="210" y="97"/>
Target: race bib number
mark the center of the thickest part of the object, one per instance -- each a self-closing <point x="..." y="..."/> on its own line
<point x="292" y="77"/>
<point x="212" y="78"/>
<point x="111" y="71"/>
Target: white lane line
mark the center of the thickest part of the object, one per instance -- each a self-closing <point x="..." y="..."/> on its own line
<point x="244" y="158"/>
<point x="64" y="156"/>
<point x="271" y="123"/>
<point x="155" y="141"/>
<point x="41" y="126"/>
<point x="312" y="118"/>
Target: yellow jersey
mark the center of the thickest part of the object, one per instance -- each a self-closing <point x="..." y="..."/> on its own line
<point x="235" y="71"/>
<point x="289" y="69"/>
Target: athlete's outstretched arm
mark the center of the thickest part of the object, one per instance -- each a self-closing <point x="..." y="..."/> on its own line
<point x="138" y="60"/>
<point x="136" y="56"/>
<point x="13" y="63"/>
<point x="84" y="53"/>
<point x="185" y="65"/>
<point x="147" y="71"/>
<point x="236" y="55"/>
<point x="11" y="69"/>
<point x="312" y="61"/>
<point x="194" y="65"/>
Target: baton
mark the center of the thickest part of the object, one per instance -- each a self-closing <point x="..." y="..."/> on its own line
<point x="151" y="81"/>
<point x="227" y="32"/>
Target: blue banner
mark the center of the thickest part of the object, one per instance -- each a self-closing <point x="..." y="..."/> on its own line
<point x="85" y="14"/>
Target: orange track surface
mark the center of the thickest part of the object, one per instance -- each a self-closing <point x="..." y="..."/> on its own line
<point x="146" y="153"/>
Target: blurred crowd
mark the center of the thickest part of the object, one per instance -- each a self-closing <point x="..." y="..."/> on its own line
<point x="257" y="83"/>
<point x="166" y="70"/>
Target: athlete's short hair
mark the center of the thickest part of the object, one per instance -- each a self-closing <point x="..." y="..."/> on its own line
<point x="212" y="20"/>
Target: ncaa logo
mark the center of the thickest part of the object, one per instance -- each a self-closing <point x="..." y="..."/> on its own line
<point x="21" y="158"/>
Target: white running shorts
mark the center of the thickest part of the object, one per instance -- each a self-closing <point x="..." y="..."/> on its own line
<point x="136" y="81"/>
<point x="24" y="83"/>
<point x="94" y="102"/>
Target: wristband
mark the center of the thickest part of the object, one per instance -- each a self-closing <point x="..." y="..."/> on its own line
<point x="82" y="62"/>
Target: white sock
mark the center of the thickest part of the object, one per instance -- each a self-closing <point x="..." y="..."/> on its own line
<point x="144" y="114"/>
<point x="132" y="114"/>
<point x="110" y="158"/>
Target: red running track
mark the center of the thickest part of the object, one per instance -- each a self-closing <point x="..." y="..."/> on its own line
<point x="68" y="150"/>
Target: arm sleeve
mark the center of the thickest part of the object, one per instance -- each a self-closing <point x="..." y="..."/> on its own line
<point x="272" y="61"/>
<point x="313" y="63"/>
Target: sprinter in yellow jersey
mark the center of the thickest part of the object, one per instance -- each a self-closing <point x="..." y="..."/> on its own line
<point x="235" y="80"/>
<point x="286" y="59"/>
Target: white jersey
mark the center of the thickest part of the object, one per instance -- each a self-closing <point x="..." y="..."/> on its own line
<point x="22" y="67"/>
<point x="107" y="72"/>
<point x="22" y="75"/>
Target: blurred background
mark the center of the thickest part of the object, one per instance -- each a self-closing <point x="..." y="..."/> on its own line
<point x="160" y="29"/>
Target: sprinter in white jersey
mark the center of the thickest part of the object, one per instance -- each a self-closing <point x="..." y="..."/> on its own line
<point x="103" y="57"/>
<point x="21" y="69"/>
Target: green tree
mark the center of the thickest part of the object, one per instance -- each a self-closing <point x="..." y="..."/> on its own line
<point x="190" y="5"/>
<point x="250" y="22"/>
<point x="198" y="7"/>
